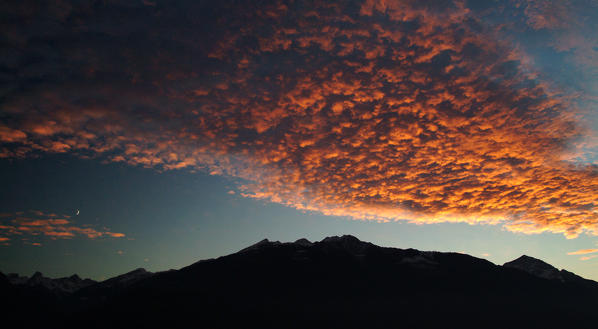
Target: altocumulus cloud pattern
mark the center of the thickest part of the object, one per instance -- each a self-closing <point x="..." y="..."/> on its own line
<point x="378" y="110"/>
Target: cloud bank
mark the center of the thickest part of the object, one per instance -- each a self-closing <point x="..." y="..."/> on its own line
<point x="376" y="110"/>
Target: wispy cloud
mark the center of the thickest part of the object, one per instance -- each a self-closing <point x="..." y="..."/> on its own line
<point x="389" y="110"/>
<point x="27" y="225"/>
<point x="548" y="14"/>
<point x="583" y="252"/>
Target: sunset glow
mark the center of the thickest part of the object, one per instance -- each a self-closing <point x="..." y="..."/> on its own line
<point x="421" y="112"/>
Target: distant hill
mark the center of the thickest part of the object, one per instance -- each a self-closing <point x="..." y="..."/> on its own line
<point x="339" y="282"/>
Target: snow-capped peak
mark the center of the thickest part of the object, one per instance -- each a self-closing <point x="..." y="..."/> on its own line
<point x="535" y="267"/>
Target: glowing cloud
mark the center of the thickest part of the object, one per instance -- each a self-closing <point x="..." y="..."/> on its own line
<point x="35" y="223"/>
<point x="385" y="110"/>
<point x="583" y="252"/>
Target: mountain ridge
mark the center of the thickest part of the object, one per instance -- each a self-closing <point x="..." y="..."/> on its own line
<point x="338" y="282"/>
<point x="525" y="263"/>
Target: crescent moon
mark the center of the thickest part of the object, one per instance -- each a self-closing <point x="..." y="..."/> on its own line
<point x="77" y="213"/>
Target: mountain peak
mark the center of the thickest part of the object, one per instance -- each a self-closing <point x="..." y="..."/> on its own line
<point x="348" y="243"/>
<point x="345" y="239"/>
<point x="126" y="279"/>
<point x="535" y="267"/>
<point x="525" y="260"/>
<point x="37" y="278"/>
<point x="260" y="244"/>
<point x="303" y="242"/>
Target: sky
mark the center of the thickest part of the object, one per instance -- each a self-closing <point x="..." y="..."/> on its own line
<point x="157" y="133"/>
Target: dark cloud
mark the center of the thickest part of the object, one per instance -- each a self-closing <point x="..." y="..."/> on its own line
<point x="381" y="110"/>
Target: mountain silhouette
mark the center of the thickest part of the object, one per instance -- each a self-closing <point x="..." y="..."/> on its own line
<point x="64" y="285"/>
<point x="339" y="282"/>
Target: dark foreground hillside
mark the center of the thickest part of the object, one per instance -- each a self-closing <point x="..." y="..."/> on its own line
<point x="339" y="282"/>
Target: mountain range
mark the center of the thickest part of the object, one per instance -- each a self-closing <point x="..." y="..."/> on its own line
<point x="339" y="282"/>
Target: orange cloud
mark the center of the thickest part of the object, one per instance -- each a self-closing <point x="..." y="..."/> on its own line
<point x="114" y="235"/>
<point x="394" y="110"/>
<point x="8" y="135"/>
<point x="583" y="252"/>
<point x="46" y="224"/>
